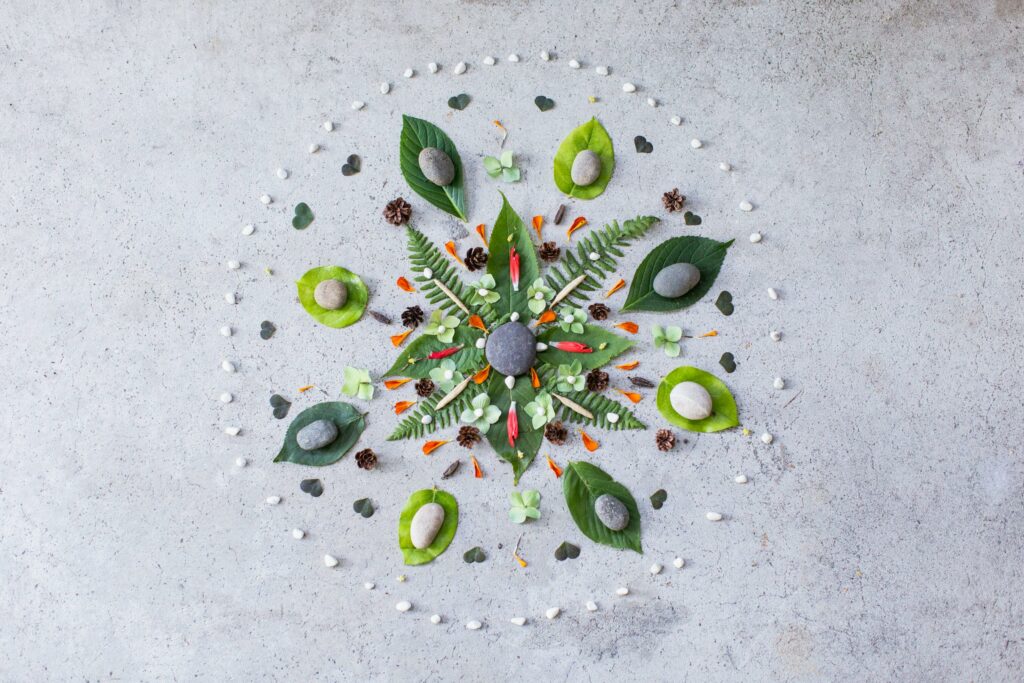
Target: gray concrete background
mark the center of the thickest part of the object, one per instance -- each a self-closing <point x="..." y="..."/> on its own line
<point x="880" y="535"/>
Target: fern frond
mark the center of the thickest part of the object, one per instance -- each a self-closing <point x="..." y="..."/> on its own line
<point x="600" y="407"/>
<point x="423" y="254"/>
<point x="412" y="427"/>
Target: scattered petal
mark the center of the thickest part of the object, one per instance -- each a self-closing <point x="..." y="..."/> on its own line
<point x="631" y="395"/>
<point x="616" y="287"/>
<point x="431" y="446"/>
<point x="712" y="333"/>
<point x="477" y="322"/>
<point x="632" y="365"/>
<point x="390" y="384"/>
<point x="534" y="379"/>
<point x="481" y="377"/>
<point x="404" y="285"/>
<point x="397" y="340"/>
<point x="576" y="225"/>
<point x="482" y="231"/>
<point x="546" y="317"/>
<point x="477" y="472"/>
<point x="630" y="327"/>
<point x="572" y="347"/>
<point x="554" y="467"/>
<point x="449" y="246"/>
<point x="588" y="442"/>
<point x="306" y="388"/>
<point x="402" y="406"/>
<point x="538" y="223"/>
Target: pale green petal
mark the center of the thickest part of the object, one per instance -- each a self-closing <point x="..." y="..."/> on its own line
<point x="539" y="420"/>
<point x="447" y="336"/>
<point x="672" y="349"/>
<point x="531" y="498"/>
<point x="658" y="332"/>
<point x="492" y="414"/>
<point x="365" y="391"/>
<point x="532" y="513"/>
<point x="577" y="328"/>
<point x="516" y="499"/>
<point x="517" y="515"/>
<point x="487" y="281"/>
<point x="673" y="333"/>
<point x="468" y="416"/>
<point x="481" y="401"/>
<point x="492" y="164"/>
<point x="510" y="175"/>
<point x="506" y="158"/>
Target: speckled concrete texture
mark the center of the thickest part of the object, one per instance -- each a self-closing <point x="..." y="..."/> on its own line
<point x="880" y="535"/>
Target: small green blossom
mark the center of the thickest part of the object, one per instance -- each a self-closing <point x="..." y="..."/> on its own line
<point x="503" y="166"/>
<point x="357" y="383"/>
<point x="446" y="375"/>
<point x="572" y="319"/>
<point x="484" y="290"/>
<point x="539" y="294"/>
<point x="570" y="377"/>
<point x="667" y="339"/>
<point x="442" y="326"/>
<point x="482" y="414"/>
<point x="525" y="505"/>
<point x="541" y="410"/>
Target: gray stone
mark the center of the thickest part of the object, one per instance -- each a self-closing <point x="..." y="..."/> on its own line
<point x="675" y="280"/>
<point x="316" y="435"/>
<point x="425" y="524"/>
<point x="330" y="294"/>
<point x="691" y="400"/>
<point x="586" y="168"/>
<point x="511" y="349"/>
<point x="437" y="166"/>
<point x="611" y="511"/>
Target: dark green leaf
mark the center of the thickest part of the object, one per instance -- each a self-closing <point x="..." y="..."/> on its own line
<point x="593" y="336"/>
<point x="642" y="145"/>
<point x="690" y="218"/>
<point x="346" y="418"/>
<point x="706" y="254"/>
<point x="724" y="303"/>
<point x="459" y="102"/>
<point x="467" y="359"/>
<point x="411" y="553"/>
<point x="508" y="232"/>
<point x="591" y="135"/>
<point x="728" y="362"/>
<point x="364" y="507"/>
<point x="474" y="555"/>
<point x="303" y="216"/>
<point x="658" y="499"/>
<point x="567" y="551"/>
<point x="543" y="103"/>
<point x="313" y="487"/>
<point x="417" y="134"/>
<point x="267" y="329"/>
<point x="582" y="484"/>
<point x="424" y="255"/>
<point x="347" y="314"/>
<point x="281" y="406"/>
<point x="352" y="165"/>
<point x="723" y="405"/>
<point x="522" y="454"/>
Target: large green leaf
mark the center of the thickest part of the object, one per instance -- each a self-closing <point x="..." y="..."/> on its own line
<point x="468" y="360"/>
<point x="345" y="417"/>
<point x="591" y="135"/>
<point x="412" y="554"/>
<point x="423" y="256"/>
<point x="508" y="231"/>
<point x="582" y="484"/>
<point x="530" y="439"/>
<point x="347" y="314"/>
<point x="723" y="405"/>
<point x="592" y="336"/>
<point x="417" y="134"/>
<point x="706" y="254"/>
<point x="600" y="407"/>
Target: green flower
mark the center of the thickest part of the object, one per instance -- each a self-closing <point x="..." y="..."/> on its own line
<point x="482" y="415"/>
<point x="539" y="293"/>
<point x="524" y="505"/>
<point x="504" y="167"/>
<point x="572" y="320"/>
<point x="540" y="410"/>
<point x="446" y="375"/>
<point x="357" y="383"/>
<point x="484" y="290"/>
<point x="667" y="339"/>
<point x="442" y="326"/>
<point x="570" y="377"/>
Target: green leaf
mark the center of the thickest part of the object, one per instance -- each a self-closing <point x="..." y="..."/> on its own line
<point x="723" y="405"/>
<point x="468" y="360"/>
<point x="364" y="507"/>
<point x="706" y="254"/>
<point x="412" y="426"/>
<point x="493" y="166"/>
<point x="424" y="255"/>
<point x="658" y="499"/>
<point x="600" y="406"/>
<point x="530" y="439"/>
<point x="724" y="303"/>
<point x="591" y="135"/>
<point x="417" y="134"/>
<point x="345" y="417"/>
<point x="357" y="383"/>
<point x="567" y="551"/>
<point x="728" y="362"/>
<point x="509" y="231"/>
<point x="281" y="406"/>
<point x="347" y="314"/>
<point x="303" y="216"/>
<point x="582" y="484"/>
<point x="474" y="554"/>
<point x="592" y="336"/>
<point x="412" y="554"/>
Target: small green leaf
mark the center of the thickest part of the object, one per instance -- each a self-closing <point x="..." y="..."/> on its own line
<point x="705" y="254"/>
<point x="357" y="383"/>
<point x="724" y="303"/>
<point x="313" y="487"/>
<point x="509" y="231"/>
<point x="364" y="507"/>
<point x="543" y="103"/>
<point x="658" y="499"/>
<point x="690" y="218"/>
<point x="582" y="484"/>
<point x="459" y="102"/>
<point x="412" y="554"/>
<point x="281" y="406"/>
<point x="567" y="551"/>
<point x="723" y="405"/>
<point x="591" y="135"/>
<point x="347" y="314"/>
<point x="303" y="216"/>
<point x="475" y="554"/>
<point x="267" y="329"/>
<point x="728" y="362"/>
<point x="417" y="134"/>
<point x="346" y="418"/>
<point x="493" y="166"/>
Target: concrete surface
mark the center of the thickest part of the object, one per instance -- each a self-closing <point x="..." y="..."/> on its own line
<point x="879" y="537"/>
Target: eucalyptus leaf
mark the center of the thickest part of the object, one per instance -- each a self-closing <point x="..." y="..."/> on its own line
<point x="412" y="554"/>
<point x="347" y="314"/>
<point x="705" y="254"/>
<point x="364" y="507"/>
<point x="582" y="484"/>
<point x="303" y="216"/>
<point x="728" y="361"/>
<point x="724" y="303"/>
<point x="508" y="232"/>
<point x="475" y="554"/>
<point x="591" y="135"/>
<point x="346" y="418"/>
<point x="723" y="405"/>
<point x="267" y="329"/>
<point x="567" y="551"/>
<point x="658" y="499"/>
<point x="281" y="406"/>
<point x="313" y="487"/>
<point x="417" y="134"/>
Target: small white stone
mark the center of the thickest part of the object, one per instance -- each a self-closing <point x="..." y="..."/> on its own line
<point x="385" y="88"/>
<point x="655" y="569"/>
<point x="428" y="273"/>
<point x="651" y="102"/>
<point x="591" y="606"/>
<point x="628" y="87"/>
<point x="573" y="64"/>
<point x="480" y="343"/>
<point x="594" y="256"/>
<point x="755" y="237"/>
<point x="767" y="438"/>
<point x="248" y="230"/>
<point x="679" y="563"/>
<point x="713" y="516"/>
<point x="400" y="578"/>
<point x="226" y="331"/>
<point x="448" y="374"/>
<point x="282" y="173"/>
<point x="227" y="366"/>
<point x="741" y="479"/>
<point x="482" y="291"/>
<point x="778" y="383"/>
<point x="775" y="335"/>
<point x="612" y="417"/>
<point x="518" y="621"/>
<point x="409" y="73"/>
<point x="328" y="126"/>
<point x="746" y="206"/>
<point x="552" y="612"/>
<point x="435" y="618"/>
<point x="298" y="534"/>
<point x="231" y="298"/>
<point x="510" y="381"/>
<point x="601" y="70"/>
<point x="541" y="346"/>
<point x="567" y="317"/>
<point x="232" y="431"/>
<point x="330" y="561"/>
<point x="622" y="591"/>
<point x="226" y="398"/>
<point x="514" y="317"/>
<point x="273" y="500"/>
<point x="473" y="625"/>
<point x="241" y="462"/>
<point x="725" y="166"/>
<point x="459" y="69"/>
<point x="513" y="58"/>
<point x="266" y="199"/>
<point x="696" y="144"/>
<point x="426" y="419"/>
<point x="676" y="121"/>
<point x="489" y="60"/>
<point x="403" y="606"/>
<point x="479" y="412"/>
<point x="545" y="55"/>
<point x="358" y="104"/>
<point x="772" y="294"/>
<point x="570" y="379"/>
<point x="314" y="148"/>
<point x="369" y="585"/>
<point x="433" y="67"/>
<point x="539" y="296"/>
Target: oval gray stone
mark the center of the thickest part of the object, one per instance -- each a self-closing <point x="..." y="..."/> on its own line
<point x="611" y="511"/>
<point x="330" y="294"/>
<point x="425" y="524"/>
<point x="691" y="400"/>
<point x="586" y="168"/>
<point x="511" y="349"/>
<point x="316" y="435"/>
<point x="437" y="166"/>
<point x="675" y="280"/>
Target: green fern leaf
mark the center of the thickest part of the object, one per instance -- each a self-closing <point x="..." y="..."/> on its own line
<point x="423" y="254"/>
<point x="412" y="427"/>
<point x="600" y="407"/>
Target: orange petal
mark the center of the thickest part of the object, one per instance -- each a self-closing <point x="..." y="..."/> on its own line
<point x="616" y="287"/>
<point x="554" y="468"/>
<point x="431" y="446"/>
<point x="481" y="376"/>
<point x="521" y="561"/>
<point x="398" y="339"/>
<point x="450" y="248"/>
<point x="545" y="317"/>
<point x="403" y="406"/>
<point x="712" y="333"/>
<point x="534" y="379"/>
<point x="403" y="284"/>
<point x="477" y="322"/>
<point x="632" y="328"/>
<point x="632" y="365"/>
<point x="395" y="383"/>
<point x="588" y="443"/>
<point x="477" y="472"/>
<point x="576" y="225"/>
<point x="482" y="231"/>
<point x="631" y="395"/>
<point x="497" y="123"/>
<point x="538" y="223"/>
<point x="306" y="388"/>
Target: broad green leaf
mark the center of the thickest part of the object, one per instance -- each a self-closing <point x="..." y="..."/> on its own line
<point x="417" y="134"/>
<point x="723" y="405"/>
<point x="706" y="254"/>
<point x="592" y="336"/>
<point x="468" y="360"/>
<point x="412" y="554"/>
<point x="591" y="135"/>
<point x="347" y="314"/>
<point x="530" y="439"/>
<point x="509" y="231"/>
<point x="582" y="484"/>
<point x="345" y="417"/>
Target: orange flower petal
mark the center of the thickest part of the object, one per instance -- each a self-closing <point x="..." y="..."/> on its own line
<point x="402" y="406"/>
<point x="431" y="446"/>
<point x="481" y="376"/>
<point x="545" y="317"/>
<point x="616" y="287"/>
<point x="450" y="248"/>
<point x="477" y="322"/>
<point x="482" y="231"/>
<point x="398" y="339"/>
<point x="521" y="561"/>
<point x="712" y="333"/>
<point x="632" y="328"/>
<point x="306" y="388"/>
<point x="632" y="365"/>
<point x="395" y="383"/>
<point x="588" y="443"/>
<point x="576" y="225"/>
<point x="631" y="395"/>
<point x="477" y="472"/>
<point x="554" y="468"/>
<point x="404" y="285"/>
<point x="534" y="379"/>
<point x="538" y="223"/>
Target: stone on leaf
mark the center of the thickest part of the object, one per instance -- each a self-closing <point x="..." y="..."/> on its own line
<point x="690" y="400"/>
<point x="586" y="168"/>
<point x="437" y="166"/>
<point x="676" y="280"/>
<point x="316" y="435"/>
<point x="330" y="294"/>
<point x="511" y="349"/>
<point x="611" y="511"/>
<point x="425" y="524"/>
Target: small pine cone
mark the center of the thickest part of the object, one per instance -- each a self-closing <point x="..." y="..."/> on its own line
<point x="599" y="311"/>
<point x="665" y="439"/>
<point x="397" y="211"/>
<point x="549" y="252"/>
<point x="424" y="387"/>
<point x="673" y="201"/>
<point x="476" y="258"/>
<point x="468" y="436"/>
<point x="597" y="380"/>
<point x="556" y="433"/>
<point x="412" y="316"/>
<point x="366" y="459"/>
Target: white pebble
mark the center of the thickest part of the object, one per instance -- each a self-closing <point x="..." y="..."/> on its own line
<point x="545" y="55"/>
<point x="772" y="294"/>
<point x="741" y="479"/>
<point x="696" y="144"/>
<point x="573" y="64"/>
<point x="713" y="516"/>
<point x="428" y="273"/>
<point x="409" y="73"/>
<point x="510" y="381"/>
<point x="227" y="366"/>
<point x="622" y="591"/>
<point x="404" y="606"/>
<point x="655" y="569"/>
<point x="489" y="60"/>
<point x="473" y="625"/>
<point x="775" y="335"/>
<point x="612" y="417"/>
<point x="676" y="121"/>
<point x="755" y="237"/>
<point x="226" y="398"/>
<point x="330" y="561"/>
<point x="513" y="58"/>
<point x="400" y="578"/>
<point x="435" y="618"/>
<point x="514" y="317"/>
<point x="298" y="534"/>
<point x="779" y="383"/>
<point x="225" y="331"/>
<point x="594" y="256"/>
<point x="746" y="206"/>
<point x="552" y="612"/>
<point x="541" y="346"/>
<point x="231" y="298"/>
<point x="459" y="69"/>
<point x="426" y="419"/>
<point x="241" y="462"/>
<point x="767" y="438"/>
<point x="651" y="102"/>
<point x="248" y="230"/>
<point x="358" y="104"/>
<point x="518" y="621"/>
<point x="433" y="67"/>
<point x="369" y="585"/>
<point x="679" y="563"/>
<point x="328" y="126"/>
<point x="273" y="500"/>
<point x="628" y="87"/>
<point x="282" y="173"/>
<point x="266" y="199"/>
<point x="233" y="265"/>
<point x="591" y="606"/>
<point x="480" y="343"/>
<point x="385" y="88"/>
<point x="232" y="431"/>
<point x="314" y="148"/>
<point x="601" y="70"/>
<point x="725" y="166"/>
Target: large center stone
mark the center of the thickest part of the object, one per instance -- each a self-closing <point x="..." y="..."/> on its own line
<point x="511" y="349"/>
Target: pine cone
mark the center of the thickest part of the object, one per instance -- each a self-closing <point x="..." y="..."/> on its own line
<point x="556" y="433"/>
<point x="476" y="258"/>
<point x="424" y="387"/>
<point x="468" y="436"/>
<point x="366" y="459"/>
<point x="549" y="252"/>
<point x="412" y="316"/>
<point x="673" y="201"/>
<point x="665" y="439"/>
<point x="599" y="311"/>
<point x="397" y="211"/>
<point x="597" y="380"/>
